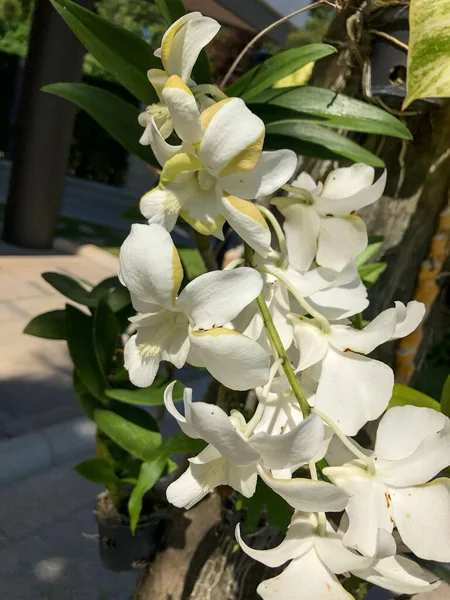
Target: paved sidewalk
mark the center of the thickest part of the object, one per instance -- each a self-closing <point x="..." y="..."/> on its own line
<point x="48" y="543"/>
<point x="36" y="374"/>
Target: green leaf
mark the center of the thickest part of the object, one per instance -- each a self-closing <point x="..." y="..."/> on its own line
<point x="117" y="295"/>
<point x="403" y="395"/>
<point x="445" y="398"/>
<point x="151" y="396"/>
<point x="265" y="502"/>
<point x="97" y="470"/>
<point x="106" y="334"/>
<point x="192" y="262"/>
<point x="171" y="10"/>
<point x="122" y="53"/>
<point x="118" y="117"/>
<point x="275" y="68"/>
<point x="371" y="273"/>
<point x="178" y="444"/>
<point x="149" y="474"/>
<point x="70" y="288"/>
<point x="86" y="401"/>
<point x="332" y="110"/>
<point x="316" y="141"/>
<point x="372" y="248"/>
<point x="50" y="325"/>
<point x="80" y="341"/>
<point x="133" y="438"/>
<point x="429" y="50"/>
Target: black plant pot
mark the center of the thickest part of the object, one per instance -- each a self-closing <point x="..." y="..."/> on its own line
<point x="120" y="550"/>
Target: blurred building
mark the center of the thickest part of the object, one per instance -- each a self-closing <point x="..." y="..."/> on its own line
<point x="253" y="15"/>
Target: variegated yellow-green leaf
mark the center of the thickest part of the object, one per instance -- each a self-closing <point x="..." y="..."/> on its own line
<point x="429" y="50"/>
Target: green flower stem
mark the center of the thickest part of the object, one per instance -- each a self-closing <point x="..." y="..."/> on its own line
<point x="321" y="517"/>
<point x="278" y="232"/>
<point x="278" y="344"/>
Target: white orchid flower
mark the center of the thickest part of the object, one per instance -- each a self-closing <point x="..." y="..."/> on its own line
<point x="218" y="168"/>
<point x="189" y="326"/>
<point x="319" y="220"/>
<point x="352" y="388"/>
<point x="412" y="447"/>
<point x="179" y="51"/>
<point x="234" y="453"/>
<point x="317" y="557"/>
<point x="336" y="295"/>
<point x="281" y="414"/>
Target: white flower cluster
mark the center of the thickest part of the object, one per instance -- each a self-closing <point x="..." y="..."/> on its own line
<point x="281" y="325"/>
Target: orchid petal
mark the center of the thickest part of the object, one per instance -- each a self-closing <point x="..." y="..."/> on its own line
<point x="302" y="226"/>
<point x="403" y="428"/>
<point x="431" y="457"/>
<point x="150" y="266"/>
<point x="379" y="331"/>
<point x="335" y="556"/>
<point x="422" y="517"/>
<point x="399" y="575"/>
<point x="232" y="358"/>
<point x="340" y="240"/>
<point x="153" y="137"/>
<point x="185" y="425"/>
<point x="183" y="42"/>
<point x="311" y="342"/>
<point x="368" y="508"/>
<point x="183" y="109"/>
<point x="305" y="578"/>
<point x="270" y="172"/>
<point x="299" y="540"/>
<point x="307" y="494"/>
<point x="292" y="448"/>
<point x="353" y="389"/>
<point x="408" y="318"/>
<point x="216" y="298"/>
<point x="233" y="138"/>
<point x="213" y="425"/>
<point x="161" y="207"/>
<point x="350" y="189"/>
<point x="141" y="369"/>
<point x="247" y="221"/>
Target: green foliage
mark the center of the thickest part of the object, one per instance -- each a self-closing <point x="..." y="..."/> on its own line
<point x="272" y="70"/>
<point x="329" y="109"/>
<point x="265" y="503"/>
<point x="117" y="117"/>
<point x="403" y="395"/>
<point x="371" y="273"/>
<point x="171" y="10"/>
<point x="70" y="288"/>
<point x="445" y="397"/>
<point x="97" y="470"/>
<point x="120" y="52"/>
<point x="117" y="295"/>
<point x="134" y="438"/>
<point x="316" y="141"/>
<point x="50" y="325"/>
<point x="80" y="340"/>
<point x="86" y="401"/>
<point x="149" y="474"/>
<point x="151" y="396"/>
<point x="375" y="243"/>
<point x="106" y="333"/>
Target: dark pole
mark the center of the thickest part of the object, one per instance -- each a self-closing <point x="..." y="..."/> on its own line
<point x="45" y="123"/>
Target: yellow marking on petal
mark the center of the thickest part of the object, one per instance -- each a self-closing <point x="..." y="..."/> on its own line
<point x="247" y="159"/>
<point x="180" y="163"/>
<point x="209" y="113"/>
<point x="175" y="82"/>
<point x="167" y="41"/>
<point x="177" y="274"/>
<point x="248" y="209"/>
<point x="205" y="228"/>
<point x="216" y="332"/>
<point x="157" y="78"/>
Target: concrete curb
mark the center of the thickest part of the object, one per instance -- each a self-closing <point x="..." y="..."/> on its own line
<point x="35" y="452"/>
